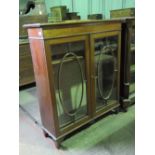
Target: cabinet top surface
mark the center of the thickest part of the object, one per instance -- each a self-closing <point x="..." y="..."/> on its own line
<point x="77" y="22"/>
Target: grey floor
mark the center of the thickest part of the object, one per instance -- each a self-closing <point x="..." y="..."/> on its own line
<point x="112" y="135"/>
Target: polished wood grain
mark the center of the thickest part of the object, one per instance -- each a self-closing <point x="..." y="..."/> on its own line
<point x="72" y="23"/>
<point x="41" y="64"/>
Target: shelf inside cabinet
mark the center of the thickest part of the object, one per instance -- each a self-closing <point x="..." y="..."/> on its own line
<point x="104" y="57"/>
<point x="112" y="46"/>
<point x="69" y="59"/>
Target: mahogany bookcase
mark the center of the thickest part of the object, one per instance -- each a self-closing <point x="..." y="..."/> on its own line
<point x="77" y="72"/>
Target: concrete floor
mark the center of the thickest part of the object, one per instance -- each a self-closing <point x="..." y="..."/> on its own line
<point x="112" y="135"/>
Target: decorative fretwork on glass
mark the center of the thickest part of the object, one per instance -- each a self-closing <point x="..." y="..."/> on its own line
<point x="106" y="70"/>
<point x="69" y="69"/>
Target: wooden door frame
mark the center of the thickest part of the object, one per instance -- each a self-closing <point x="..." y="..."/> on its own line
<point x="73" y="126"/>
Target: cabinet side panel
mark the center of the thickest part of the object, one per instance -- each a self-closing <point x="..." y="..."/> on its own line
<point x="43" y="82"/>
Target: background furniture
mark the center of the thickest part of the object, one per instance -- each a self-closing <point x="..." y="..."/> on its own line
<point x="128" y="62"/>
<point x="26" y="73"/>
<point x="77" y="72"/>
<point x="126" y="12"/>
<point x="37" y="14"/>
<point x="127" y="87"/>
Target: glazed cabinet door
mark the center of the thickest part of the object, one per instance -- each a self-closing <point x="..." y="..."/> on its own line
<point x="71" y="81"/>
<point x="105" y="64"/>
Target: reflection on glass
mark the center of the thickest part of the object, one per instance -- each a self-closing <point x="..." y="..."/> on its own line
<point x="106" y="70"/>
<point x="68" y="62"/>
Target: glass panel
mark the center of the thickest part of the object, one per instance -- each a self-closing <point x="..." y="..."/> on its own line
<point x="68" y="60"/>
<point x="106" y="70"/>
